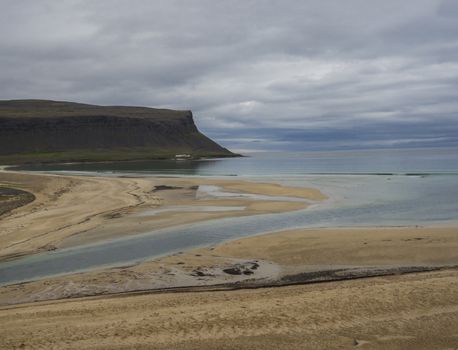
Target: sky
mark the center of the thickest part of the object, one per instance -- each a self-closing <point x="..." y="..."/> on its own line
<point x="258" y="74"/>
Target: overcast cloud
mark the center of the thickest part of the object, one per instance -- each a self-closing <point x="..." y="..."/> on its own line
<point x="298" y="75"/>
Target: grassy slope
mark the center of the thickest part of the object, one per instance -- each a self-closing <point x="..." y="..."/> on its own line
<point x="101" y="155"/>
<point x="50" y="109"/>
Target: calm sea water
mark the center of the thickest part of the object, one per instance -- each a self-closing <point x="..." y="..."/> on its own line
<point x="370" y="188"/>
<point x="284" y="163"/>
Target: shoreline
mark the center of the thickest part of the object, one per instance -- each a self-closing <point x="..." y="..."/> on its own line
<point x="72" y="210"/>
<point x="376" y="287"/>
<point x="162" y="192"/>
<point x="300" y="279"/>
<point x="294" y="257"/>
<point x="406" y="308"/>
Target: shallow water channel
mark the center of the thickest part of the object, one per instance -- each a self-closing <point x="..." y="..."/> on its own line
<point x="356" y="200"/>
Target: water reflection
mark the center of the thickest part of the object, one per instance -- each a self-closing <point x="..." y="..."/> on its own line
<point x="284" y="163"/>
<point x="183" y="167"/>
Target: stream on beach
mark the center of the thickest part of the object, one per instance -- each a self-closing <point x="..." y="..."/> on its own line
<point x="367" y="188"/>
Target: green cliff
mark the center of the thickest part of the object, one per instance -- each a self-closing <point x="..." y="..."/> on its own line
<point x="52" y="131"/>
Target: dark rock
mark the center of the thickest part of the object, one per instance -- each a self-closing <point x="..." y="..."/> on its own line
<point x="200" y="273"/>
<point x="165" y="187"/>
<point x="233" y="271"/>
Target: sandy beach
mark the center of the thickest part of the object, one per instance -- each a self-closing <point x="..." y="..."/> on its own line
<point x="417" y="311"/>
<point x="74" y="210"/>
<point x="276" y="259"/>
<point x="413" y="311"/>
<point x="373" y="288"/>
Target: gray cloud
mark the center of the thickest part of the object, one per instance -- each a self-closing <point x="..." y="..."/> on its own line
<point x="250" y="70"/>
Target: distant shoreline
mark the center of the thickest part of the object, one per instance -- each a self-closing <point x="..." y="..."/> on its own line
<point x="12" y="163"/>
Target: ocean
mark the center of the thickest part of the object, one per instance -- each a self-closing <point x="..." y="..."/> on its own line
<point x="398" y="161"/>
<point x="366" y="187"/>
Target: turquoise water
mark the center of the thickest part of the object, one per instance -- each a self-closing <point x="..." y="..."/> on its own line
<point x="372" y="188"/>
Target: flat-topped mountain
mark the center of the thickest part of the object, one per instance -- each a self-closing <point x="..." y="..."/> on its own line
<point x="53" y="131"/>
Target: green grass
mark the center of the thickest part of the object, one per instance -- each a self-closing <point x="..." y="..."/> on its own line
<point x="49" y="109"/>
<point x="101" y="156"/>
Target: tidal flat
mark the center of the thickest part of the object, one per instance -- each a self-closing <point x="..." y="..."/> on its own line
<point x="368" y="286"/>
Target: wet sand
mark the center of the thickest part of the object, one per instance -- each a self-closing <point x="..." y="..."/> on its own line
<point x="74" y="210"/>
<point x="11" y="198"/>
<point x="276" y="259"/>
<point x="350" y="246"/>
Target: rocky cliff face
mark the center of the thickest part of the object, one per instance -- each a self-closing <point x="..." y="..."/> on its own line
<point x="33" y="130"/>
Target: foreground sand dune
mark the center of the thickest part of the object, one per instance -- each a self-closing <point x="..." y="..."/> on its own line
<point x="418" y="311"/>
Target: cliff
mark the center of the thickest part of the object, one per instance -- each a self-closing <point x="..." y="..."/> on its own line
<point x="49" y="131"/>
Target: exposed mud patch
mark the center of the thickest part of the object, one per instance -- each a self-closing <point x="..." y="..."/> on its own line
<point x="12" y="198"/>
